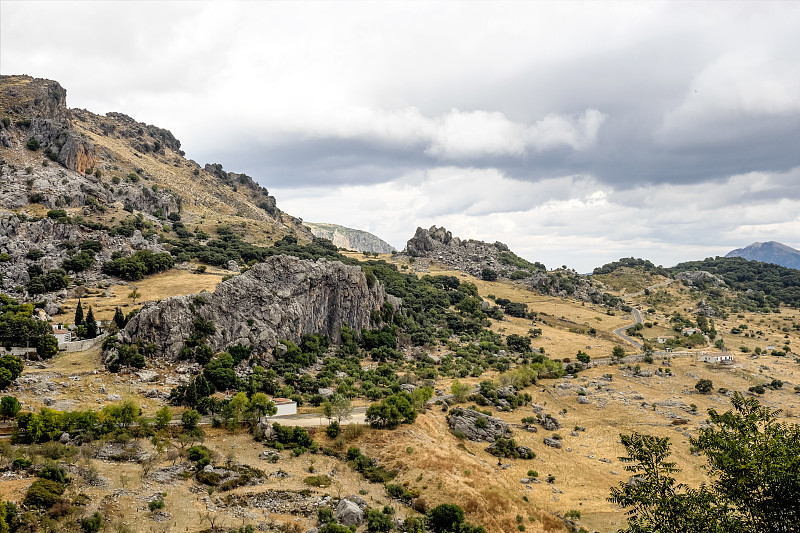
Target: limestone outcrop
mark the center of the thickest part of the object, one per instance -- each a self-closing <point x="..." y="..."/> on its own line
<point x="281" y="298"/>
<point x="477" y="426"/>
<point x="475" y="257"/>
<point x="49" y="122"/>
<point x="700" y="278"/>
<point x="18" y="237"/>
<point x="349" y="238"/>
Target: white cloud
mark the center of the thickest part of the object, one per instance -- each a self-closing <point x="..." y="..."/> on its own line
<point x="477" y="133"/>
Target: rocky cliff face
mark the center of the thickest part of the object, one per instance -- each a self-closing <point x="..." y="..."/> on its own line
<point x="349" y="238"/>
<point x="282" y="298"/>
<point x="42" y="108"/>
<point x="469" y="256"/>
<point x="18" y="237"/>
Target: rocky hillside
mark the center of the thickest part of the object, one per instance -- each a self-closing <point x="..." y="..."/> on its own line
<point x="769" y="252"/>
<point x="70" y="176"/>
<point x="281" y="298"/>
<point x="492" y="261"/>
<point x="349" y="238"/>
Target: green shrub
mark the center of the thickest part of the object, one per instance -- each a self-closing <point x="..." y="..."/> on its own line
<point x="54" y="473"/>
<point x="92" y="524"/>
<point x="32" y="144"/>
<point x="320" y="481"/>
<point x="44" y="493"/>
<point x="155" y="505"/>
<point x="332" y="430"/>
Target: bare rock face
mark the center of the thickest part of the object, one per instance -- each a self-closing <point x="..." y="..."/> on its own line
<point x="18" y="237"/>
<point x="349" y="513"/>
<point x="700" y="277"/>
<point x="44" y="103"/>
<point x="281" y="298"/>
<point x="467" y="422"/>
<point x="470" y="256"/>
<point x="473" y="257"/>
<point x="349" y="238"/>
<point x="77" y="153"/>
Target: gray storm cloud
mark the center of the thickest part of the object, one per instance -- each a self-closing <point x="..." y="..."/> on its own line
<point x="574" y="132"/>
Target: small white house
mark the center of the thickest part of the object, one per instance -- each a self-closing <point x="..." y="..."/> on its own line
<point x="285" y="407"/>
<point x="690" y="331"/>
<point x="664" y="339"/>
<point x="62" y="336"/>
<point x="717" y="358"/>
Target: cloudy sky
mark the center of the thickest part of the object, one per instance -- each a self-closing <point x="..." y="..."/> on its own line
<point x="577" y="133"/>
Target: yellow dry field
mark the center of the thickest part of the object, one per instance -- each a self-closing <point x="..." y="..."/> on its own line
<point x="128" y="492"/>
<point x="81" y="383"/>
<point x="173" y="282"/>
<point x="446" y="469"/>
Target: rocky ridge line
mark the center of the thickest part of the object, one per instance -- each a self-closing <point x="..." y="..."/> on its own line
<point x="472" y="256"/>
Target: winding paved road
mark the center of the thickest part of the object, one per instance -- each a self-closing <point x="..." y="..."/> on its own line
<point x="620" y="332"/>
<point x="637" y="316"/>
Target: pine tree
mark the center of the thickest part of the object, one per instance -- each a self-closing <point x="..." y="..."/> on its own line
<point x="119" y="318"/>
<point x="190" y="398"/>
<point x="91" y="325"/>
<point x="79" y="314"/>
<point x="202" y="387"/>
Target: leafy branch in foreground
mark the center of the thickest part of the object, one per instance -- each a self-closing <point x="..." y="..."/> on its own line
<point x="754" y="463"/>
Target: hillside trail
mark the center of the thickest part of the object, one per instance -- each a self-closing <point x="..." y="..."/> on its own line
<point x="637" y="315"/>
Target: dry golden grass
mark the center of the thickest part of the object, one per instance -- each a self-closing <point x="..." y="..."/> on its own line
<point x="463" y="472"/>
<point x="206" y="203"/>
<point x="173" y="282"/>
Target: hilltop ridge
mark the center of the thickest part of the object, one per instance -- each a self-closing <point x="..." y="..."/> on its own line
<point x="490" y="261"/>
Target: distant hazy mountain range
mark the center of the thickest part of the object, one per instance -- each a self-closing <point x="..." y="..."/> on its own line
<point x="352" y="239"/>
<point x="769" y="252"/>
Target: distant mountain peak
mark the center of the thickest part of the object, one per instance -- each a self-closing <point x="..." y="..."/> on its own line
<point x="769" y="252"/>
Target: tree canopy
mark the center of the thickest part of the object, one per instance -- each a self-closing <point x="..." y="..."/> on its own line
<point x="752" y="459"/>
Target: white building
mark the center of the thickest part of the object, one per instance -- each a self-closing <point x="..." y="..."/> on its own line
<point x="62" y="336"/>
<point x="285" y="407"/>
<point x="717" y="358"/>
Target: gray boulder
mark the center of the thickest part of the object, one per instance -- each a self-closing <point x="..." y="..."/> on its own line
<point x="506" y="392"/>
<point x="549" y="423"/>
<point x="348" y="513"/>
<point x="466" y="422"/>
<point x="553" y="443"/>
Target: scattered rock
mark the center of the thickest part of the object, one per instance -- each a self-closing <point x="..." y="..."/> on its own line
<point x="549" y="423"/>
<point x="553" y="443"/>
